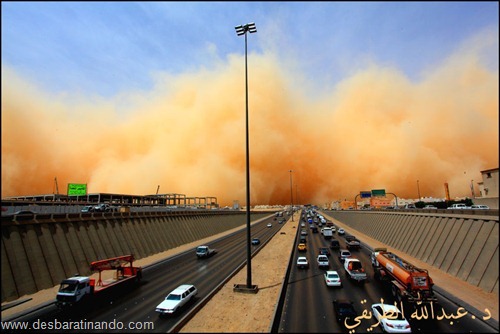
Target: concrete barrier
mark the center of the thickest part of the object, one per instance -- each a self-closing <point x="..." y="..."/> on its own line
<point x="463" y="245"/>
<point x="38" y="253"/>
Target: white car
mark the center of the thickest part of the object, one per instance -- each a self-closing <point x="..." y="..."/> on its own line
<point x="479" y="207"/>
<point x="302" y="262"/>
<point x="390" y="318"/>
<point x="344" y="254"/>
<point x="269" y="225"/>
<point x="323" y="261"/>
<point x="341" y="231"/>
<point x="458" y="206"/>
<point x="87" y="208"/>
<point x="177" y="298"/>
<point x="430" y="207"/>
<point x="332" y="278"/>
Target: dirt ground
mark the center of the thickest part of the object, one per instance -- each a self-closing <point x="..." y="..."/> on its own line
<point x="230" y="312"/>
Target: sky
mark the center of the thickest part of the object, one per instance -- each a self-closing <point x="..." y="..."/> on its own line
<point x="140" y="97"/>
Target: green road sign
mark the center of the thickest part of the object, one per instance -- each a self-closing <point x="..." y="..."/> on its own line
<point x="77" y="189"/>
<point x="378" y="192"/>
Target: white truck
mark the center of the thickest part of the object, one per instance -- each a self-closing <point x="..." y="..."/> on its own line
<point x="204" y="251"/>
<point x="327" y="232"/>
<point x="355" y="269"/>
<point x="77" y="289"/>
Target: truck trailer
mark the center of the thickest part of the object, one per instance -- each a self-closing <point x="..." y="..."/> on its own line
<point x="408" y="283"/>
<point x="78" y="288"/>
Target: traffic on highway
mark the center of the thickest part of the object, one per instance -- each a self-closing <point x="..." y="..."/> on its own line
<point x="337" y="291"/>
<point x="311" y="303"/>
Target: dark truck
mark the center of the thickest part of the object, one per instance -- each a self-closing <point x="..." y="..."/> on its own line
<point x="352" y="242"/>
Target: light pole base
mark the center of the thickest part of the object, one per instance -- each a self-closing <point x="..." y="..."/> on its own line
<point x="245" y="288"/>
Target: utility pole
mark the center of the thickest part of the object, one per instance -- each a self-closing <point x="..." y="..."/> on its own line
<point x="56" y="186"/>
<point x="291" y="191"/>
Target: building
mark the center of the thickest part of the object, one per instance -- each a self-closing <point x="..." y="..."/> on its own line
<point x="488" y="189"/>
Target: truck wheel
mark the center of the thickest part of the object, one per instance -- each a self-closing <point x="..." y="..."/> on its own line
<point x="397" y="294"/>
<point x="394" y="291"/>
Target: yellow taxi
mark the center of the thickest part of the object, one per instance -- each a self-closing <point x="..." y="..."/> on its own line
<point x="302" y="247"/>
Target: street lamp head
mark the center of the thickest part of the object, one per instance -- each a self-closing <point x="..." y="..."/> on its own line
<point x="242" y="29"/>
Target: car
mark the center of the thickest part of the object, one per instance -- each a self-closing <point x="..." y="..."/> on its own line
<point x="102" y="207"/>
<point x="334" y="244"/>
<point x="302" y="225"/>
<point x="431" y="207"/>
<point x="314" y="229"/>
<point x="460" y="206"/>
<point x="390" y="318"/>
<point x="177" y="298"/>
<point x="87" y="208"/>
<point x="333" y="229"/>
<point x="269" y="225"/>
<point x="281" y="221"/>
<point x="302" y="262"/>
<point x="303" y="232"/>
<point x="24" y="212"/>
<point x="341" y="231"/>
<point x="410" y="206"/>
<point x="302" y="247"/>
<point x="344" y="309"/>
<point x="323" y="261"/>
<point x="344" y="254"/>
<point x="324" y="251"/>
<point x="332" y="278"/>
<point x="255" y="241"/>
<point x="479" y="207"/>
<point x="303" y="239"/>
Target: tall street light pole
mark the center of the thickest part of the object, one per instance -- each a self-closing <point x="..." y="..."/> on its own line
<point x="291" y="191"/>
<point x="418" y="189"/>
<point x="242" y="30"/>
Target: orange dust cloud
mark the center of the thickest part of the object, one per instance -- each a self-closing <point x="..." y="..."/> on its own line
<point x="376" y="129"/>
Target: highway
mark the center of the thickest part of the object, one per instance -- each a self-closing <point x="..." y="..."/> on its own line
<point x="137" y="305"/>
<point x="308" y="305"/>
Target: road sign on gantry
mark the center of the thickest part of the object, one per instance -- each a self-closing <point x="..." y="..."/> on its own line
<point x="365" y="194"/>
<point x="378" y="192"/>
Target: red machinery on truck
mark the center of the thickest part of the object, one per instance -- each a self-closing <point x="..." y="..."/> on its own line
<point x="75" y="289"/>
<point x="408" y="283"/>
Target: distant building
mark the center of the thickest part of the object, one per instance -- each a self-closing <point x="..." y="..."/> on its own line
<point x="488" y="189"/>
<point x="347" y="205"/>
<point x="380" y="202"/>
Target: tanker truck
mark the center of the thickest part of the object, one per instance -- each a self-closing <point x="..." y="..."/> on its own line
<point x="408" y="283"/>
